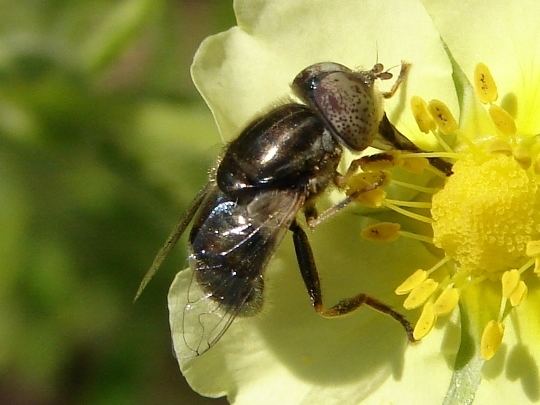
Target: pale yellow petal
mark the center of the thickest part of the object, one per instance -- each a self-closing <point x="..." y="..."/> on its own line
<point x="245" y="70"/>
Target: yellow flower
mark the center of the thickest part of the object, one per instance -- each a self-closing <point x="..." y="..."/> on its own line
<point x="474" y="235"/>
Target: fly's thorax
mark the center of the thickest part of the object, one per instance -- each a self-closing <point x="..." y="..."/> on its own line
<point x="285" y="149"/>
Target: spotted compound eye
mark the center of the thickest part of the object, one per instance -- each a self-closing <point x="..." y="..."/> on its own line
<point x="345" y="100"/>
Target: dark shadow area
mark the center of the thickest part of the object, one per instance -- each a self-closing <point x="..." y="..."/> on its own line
<point x="522" y="367"/>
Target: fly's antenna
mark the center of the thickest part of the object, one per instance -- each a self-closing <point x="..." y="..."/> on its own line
<point x="392" y="67"/>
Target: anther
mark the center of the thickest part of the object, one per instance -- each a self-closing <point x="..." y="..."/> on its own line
<point x="420" y="294"/>
<point x="365" y="181"/>
<point x="417" y="165"/>
<point x="522" y="156"/>
<point x="509" y="280"/>
<point x="447" y="301"/>
<point x="366" y="188"/>
<point x="423" y="118"/>
<point x="374" y="198"/>
<point x="491" y="339"/>
<point x="485" y="86"/>
<point x="425" y="322"/>
<point x="519" y="294"/>
<point x="413" y="281"/>
<point x="502" y="120"/>
<point x="443" y="117"/>
<point x="382" y="232"/>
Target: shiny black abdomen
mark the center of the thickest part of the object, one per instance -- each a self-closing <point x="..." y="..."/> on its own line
<point x="287" y="148"/>
<point x="231" y="243"/>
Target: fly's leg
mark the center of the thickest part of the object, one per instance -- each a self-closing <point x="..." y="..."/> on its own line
<point x="173" y="238"/>
<point x="364" y="183"/>
<point x="310" y="212"/>
<point x="310" y="275"/>
<point x="389" y="137"/>
<point x="405" y="67"/>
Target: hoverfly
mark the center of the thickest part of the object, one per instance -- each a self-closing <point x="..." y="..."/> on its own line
<point x="270" y="173"/>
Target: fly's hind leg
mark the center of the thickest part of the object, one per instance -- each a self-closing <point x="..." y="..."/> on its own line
<point x="310" y="276"/>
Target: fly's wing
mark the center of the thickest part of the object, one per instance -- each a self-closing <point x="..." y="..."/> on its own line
<point x="173" y="238"/>
<point x="230" y="247"/>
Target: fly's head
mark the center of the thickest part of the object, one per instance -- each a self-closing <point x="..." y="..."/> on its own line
<point x="347" y="101"/>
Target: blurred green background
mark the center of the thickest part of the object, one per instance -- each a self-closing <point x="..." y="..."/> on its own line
<point x="103" y="142"/>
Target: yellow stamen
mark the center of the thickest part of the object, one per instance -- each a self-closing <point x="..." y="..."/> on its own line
<point x="413" y="281"/>
<point x="412" y="204"/>
<point x="442" y="142"/>
<point x="425" y="322"/>
<point x="414" y="165"/>
<point x="499" y="145"/>
<point x="423" y="118"/>
<point x="412" y="235"/>
<point x="409" y="214"/>
<point x="526" y="266"/>
<point x="452" y="155"/>
<point x="367" y="187"/>
<point x="491" y="339"/>
<point x="374" y="198"/>
<point x="439" y="264"/>
<point x="429" y="190"/>
<point x="420" y="294"/>
<point x="365" y="181"/>
<point x="447" y="301"/>
<point x="485" y="86"/>
<point x="519" y="294"/>
<point x="510" y="279"/>
<point x="436" y="172"/>
<point x="537" y="266"/>
<point x="443" y="117"/>
<point x="502" y="120"/>
<point x="533" y="248"/>
<point x="523" y="156"/>
<point x="382" y="232"/>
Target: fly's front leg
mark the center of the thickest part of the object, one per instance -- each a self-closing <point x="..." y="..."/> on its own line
<point x="310" y="276"/>
<point x="403" y="73"/>
<point x="389" y="137"/>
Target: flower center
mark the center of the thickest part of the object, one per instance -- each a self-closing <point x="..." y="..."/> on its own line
<point x="486" y="213"/>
